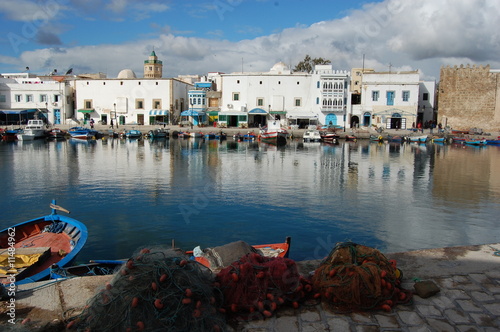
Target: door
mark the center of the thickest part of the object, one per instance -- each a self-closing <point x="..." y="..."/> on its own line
<point x="331" y="120"/>
<point x="57" y="116"/>
<point x="140" y="119"/>
<point x="390" y="97"/>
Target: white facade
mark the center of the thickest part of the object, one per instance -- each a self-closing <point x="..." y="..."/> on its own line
<point x="131" y="100"/>
<point x="388" y="99"/>
<point x="427" y="102"/>
<point x="48" y="98"/>
<point x="254" y="98"/>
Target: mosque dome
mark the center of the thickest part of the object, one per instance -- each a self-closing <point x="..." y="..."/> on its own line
<point x="280" y="68"/>
<point x="126" y="73"/>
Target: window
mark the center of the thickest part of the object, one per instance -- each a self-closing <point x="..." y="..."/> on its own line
<point x="260" y="82"/>
<point x="425" y="96"/>
<point x="156" y="104"/>
<point x="238" y="81"/>
<point x="139" y="103"/>
<point x="2" y="98"/>
<point x="29" y="98"/>
<point x="317" y="100"/>
<point x="236" y="96"/>
<point x="298" y="82"/>
<point x="406" y="95"/>
<point x="17" y="98"/>
<point x="317" y="84"/>
<point x="375" y="95"/>
<point x="87" y="104"/>
<point x="260" y="101"/>
<point x="43" y="98"/>
<point x="56" y="98"/>
<point x="297" y="102"/>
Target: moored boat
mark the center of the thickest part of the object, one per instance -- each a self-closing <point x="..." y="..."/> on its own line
<point x="351" y="138"/>
<point x="10" y="135"/>
<point x="438" y="139"/>
<point x="30" y="248"/>
<point x="493" y="141"/>
<point x="81" y="132"/>
<point x="479" y="142"/>
<point x="34" y="129"/>
<point x="158" y="133"/>
<point x="312" y="135"/>
<point x="133" y="133"/>
<point x="218" y="257"/>
<point x="418" y="139"/>
<point x="56" y="133"/>
<point x="329" y="137"/>
<point x="375" y="138"/>
<point x="273" y="133"/>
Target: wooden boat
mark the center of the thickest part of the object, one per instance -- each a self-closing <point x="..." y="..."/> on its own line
<point x="394" y="139"/>
<point x="133" y="133"/>
<point x="493" y="141"/>
<point x="195" y="135"/>
<point x="329" y="137"/>
<point x="479" y="142"/>
<point x="418" y="139"/>
<point x="81" y="132"/>
<point x="56" y="133"/>
<point x="438" y="139"/>
<point x="351" y="138"/>
<point x="32" y="247"/>
<point x="375" y="138"/>
<point x="93" y="268"/>
<point x="10" y="135"/>
<point x="158" y="133"/>
<point x="273" y="133"/>
<point x="267" y="250"/>
<point x="250" y="136"/>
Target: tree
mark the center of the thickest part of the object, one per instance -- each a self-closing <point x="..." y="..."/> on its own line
<point x="307" y="65"/>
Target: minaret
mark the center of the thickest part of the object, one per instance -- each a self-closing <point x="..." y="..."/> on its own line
<point x="153" y="67"/>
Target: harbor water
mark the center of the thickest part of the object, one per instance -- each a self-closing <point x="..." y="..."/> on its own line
<point x="136" y="193"/>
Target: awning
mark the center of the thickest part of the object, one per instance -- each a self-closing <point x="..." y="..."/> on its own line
<point x="232" y="113"/>
<point x="86" y="110"/>
<point x="192" y="113"/>
<point x="18" y="111"/>
<point x="277" y="112"/>
<point x="158" y="112"/>
<point x="213" y="113"/>
<point x="257" y="111"/>
<point x="301" y="115"/>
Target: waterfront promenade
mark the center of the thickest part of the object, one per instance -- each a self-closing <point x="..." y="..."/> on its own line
<point x="468" y="278"/>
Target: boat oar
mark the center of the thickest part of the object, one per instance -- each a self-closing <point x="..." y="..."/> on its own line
<point x="57" y="207"/>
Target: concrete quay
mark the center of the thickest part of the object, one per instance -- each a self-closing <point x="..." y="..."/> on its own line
<point x="468" y="300"/>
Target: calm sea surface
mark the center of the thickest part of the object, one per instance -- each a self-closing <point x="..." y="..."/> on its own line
<point x="133" y="193"/>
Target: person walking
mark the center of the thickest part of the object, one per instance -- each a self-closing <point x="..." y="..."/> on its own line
<point x="111" y="124"/>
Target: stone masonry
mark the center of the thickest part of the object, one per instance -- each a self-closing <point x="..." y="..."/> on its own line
<point x="468" y="97"/>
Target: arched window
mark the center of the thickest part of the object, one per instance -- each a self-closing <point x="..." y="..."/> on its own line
<point x="199" y="101"/>
<point x="336" y="86"/>
<point x="341" y="86"/>
<point x="325" y="102"/>
<point x="330" y="85"/>
<point x="335" y="102"/>
<point x="325" y="86"/>
<point x="330" y="103"/>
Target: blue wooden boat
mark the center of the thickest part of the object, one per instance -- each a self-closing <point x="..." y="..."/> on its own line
<point x="493" y="141"/>
<point x="478" y="142"/>
<point x="133" y="133"/>
<point x="438" y="140"/>
<point x="158" y="133"/>
<point x="93" y="268"/>
<point x="82" y="132"/>
<point x="30" y="248"/>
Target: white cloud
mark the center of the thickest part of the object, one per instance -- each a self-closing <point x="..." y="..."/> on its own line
<point x="418" y="35"/>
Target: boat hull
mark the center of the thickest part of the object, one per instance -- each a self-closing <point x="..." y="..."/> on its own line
<point x="65" y="239"/>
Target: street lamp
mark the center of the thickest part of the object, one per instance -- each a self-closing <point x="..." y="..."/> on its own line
<point x="114" y="107"/>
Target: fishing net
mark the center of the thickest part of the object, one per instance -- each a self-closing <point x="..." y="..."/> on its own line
<point x="354" y="277"/>
<point x="255" y="286"/>
<point x="156" y="290"/>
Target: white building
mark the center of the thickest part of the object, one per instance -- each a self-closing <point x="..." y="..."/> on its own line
<point x="131" y="100"/>
<point x="388" y="99"/>
<point x="427" y="102"/>
<point x="26" y="96"/>
<point x="251" y="99"/>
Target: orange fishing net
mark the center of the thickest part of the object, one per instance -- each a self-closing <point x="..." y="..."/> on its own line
<point x="354" y="277"/>
<point x="254" y="287"/>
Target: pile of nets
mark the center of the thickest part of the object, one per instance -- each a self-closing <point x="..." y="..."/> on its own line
<point x="354" y="277"/>
<point x="255" y="286"/>
<point x="156" y="290"/>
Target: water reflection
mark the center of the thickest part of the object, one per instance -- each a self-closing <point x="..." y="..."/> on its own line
<point x="205" y="192"/>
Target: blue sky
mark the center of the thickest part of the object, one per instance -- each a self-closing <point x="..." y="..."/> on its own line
<point x="196" y="37"/>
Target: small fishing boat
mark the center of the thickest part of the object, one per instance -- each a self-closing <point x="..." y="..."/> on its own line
<point x="209" y="136"/>
<point x="214" y="258"/>
<point x="81" y="132"/>
<point x="312" y="135"/>
<point x="273" y="133"/>
<point x="34" y="129"/>
<point x="30" y="248"/>
<point x="158" y="133"/>
<point x="195" y="135"/>
<point x="351" y="138"/>
<point x="394" y="139"/>
<point x="10" y="135"/>
<point x="493" y="141"/>
<point x="418" y="139"/>
<point x="329" y="137"/>
<point x="375" y="138"/>
<point x="479" y="142"/>
<point x="438" y="139"/>
<point x="133" y="133"/>
<point x="93" y="268"/>
<point x="56" y="133"/>
<point x="250" y="136"/>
